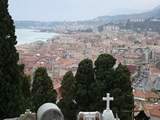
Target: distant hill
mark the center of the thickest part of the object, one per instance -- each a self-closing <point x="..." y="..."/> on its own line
<point x="85" y="25"/>
<point x="155" y="13"/>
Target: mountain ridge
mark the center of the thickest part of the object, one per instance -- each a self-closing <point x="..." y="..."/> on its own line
<point x="98" y="21"/>
<point x="154" y="13"/>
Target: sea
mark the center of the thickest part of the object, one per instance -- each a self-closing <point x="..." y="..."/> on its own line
<point x="32" y="35"/>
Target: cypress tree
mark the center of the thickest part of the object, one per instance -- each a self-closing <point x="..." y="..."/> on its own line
<point x="25" y="88"/>
<point x="42" y="89"/>
<point x="10" y="83"/>
<point x="26" y="92"/>
<point x="84" y="85"/>
<point x="68" y="86"/>
<point x="67" y="103"/>
<point x="123" y="103"/>
<point x="115" y="81"/>
<point x="104" y="73"/>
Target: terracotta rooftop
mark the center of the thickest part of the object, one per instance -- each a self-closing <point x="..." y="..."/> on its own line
<point x="154" y="109"/>
<point x="132" y="68"/>
<point x="154" y="70"/>
<point x="66" y="62"/>
<point x="145" y="94"/>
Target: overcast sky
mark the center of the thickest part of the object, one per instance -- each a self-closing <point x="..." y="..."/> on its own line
<point x="69" y="10"/>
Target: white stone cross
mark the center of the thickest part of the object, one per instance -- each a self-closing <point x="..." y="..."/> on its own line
<point x="108" y="99"/>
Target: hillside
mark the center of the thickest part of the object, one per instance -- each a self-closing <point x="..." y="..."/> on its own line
<point x="93" y="23"/>
<point x="155" y="13"/>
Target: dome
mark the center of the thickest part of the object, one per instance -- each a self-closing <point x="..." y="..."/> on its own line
<point x="108" y="115"/>
<point x="50" y="111"/>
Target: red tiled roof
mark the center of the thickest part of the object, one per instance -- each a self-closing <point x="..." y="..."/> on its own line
<point x="66" y="62"/>
<point x="154" y="109"/>
<point x="132" y="68"/>
<point x="145" y="94"/>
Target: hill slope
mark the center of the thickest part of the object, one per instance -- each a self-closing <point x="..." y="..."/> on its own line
<point x="155" y="13"/>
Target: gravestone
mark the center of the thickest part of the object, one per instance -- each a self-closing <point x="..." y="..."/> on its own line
<point x="89" y="116"/>
<point x="49" y="111"/>
<point x="107" y="113"/>
<point x="108" y="99"/>
<point x="28" y="115"/>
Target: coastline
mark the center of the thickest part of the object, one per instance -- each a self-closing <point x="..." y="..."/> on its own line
<point x="27" y="36"/>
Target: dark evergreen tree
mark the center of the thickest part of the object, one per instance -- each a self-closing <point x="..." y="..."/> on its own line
<point x="104" y="73"/>
<point x="68" y="86"/>
<point x="123" y="103"/>
<point x="104" y="62"/>
<point x="42" y="89"/>
<point x="25" y="88"/>
<point x="26" y="92"/>
<point x="67" y="103"/>
<point x="84" y="85"/>
<point x="115" y="81"/>
<point x="89" y="90"/>
<point x="10" y="79"/>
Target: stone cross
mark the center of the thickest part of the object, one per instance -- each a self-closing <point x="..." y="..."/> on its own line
<point x="108" y="99"/>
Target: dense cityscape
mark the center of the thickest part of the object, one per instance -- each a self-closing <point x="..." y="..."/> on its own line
<point x="138" y="50"/>
<point x="85" y="60"/>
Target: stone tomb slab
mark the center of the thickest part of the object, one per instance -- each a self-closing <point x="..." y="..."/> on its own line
<point x="49" y="111"/>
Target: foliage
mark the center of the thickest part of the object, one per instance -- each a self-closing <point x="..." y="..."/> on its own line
<point x="10" y="75"/>
<point x="25" y="88"/>
<point x="115" y="80"/>
<point x="91" y="84"/>
<point x="123" y="102"/>
<point x="42" y="89"/>
<point x="84" y="85"/>
<point x="67" y="104"/>
<point x="104" y="73"/>
<point x="68" y="86"/>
